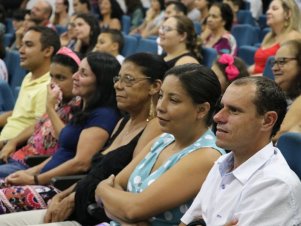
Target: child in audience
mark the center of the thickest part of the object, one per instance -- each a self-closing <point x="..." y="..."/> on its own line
<point x="229" y="68"/>
<point x="110" y="41"/>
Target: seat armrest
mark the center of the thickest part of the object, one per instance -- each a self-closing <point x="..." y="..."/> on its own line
<point x="64" y="182"/>
<point x="34" y="160"/>
<point x="199" y="222"/>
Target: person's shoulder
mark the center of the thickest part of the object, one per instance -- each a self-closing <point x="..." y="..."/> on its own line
<point x="293" y="35"/>
<point x="104" y="111"/>
<point x="278" y="170"/>
<point x="187" y="59"/>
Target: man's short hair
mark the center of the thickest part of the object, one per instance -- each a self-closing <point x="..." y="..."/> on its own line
<point x="49" y="38"/>
<point x="179" y="6"/>
<point x="268" y="97"/>
<point x="116" y="36"/>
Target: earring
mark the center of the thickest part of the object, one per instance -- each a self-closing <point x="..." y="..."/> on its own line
<point x="152" y="110"/>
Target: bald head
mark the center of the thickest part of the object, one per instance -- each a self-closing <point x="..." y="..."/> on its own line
<point x="41" y="11"/>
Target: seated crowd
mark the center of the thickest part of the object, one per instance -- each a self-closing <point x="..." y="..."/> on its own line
<point x="159" y="138"/>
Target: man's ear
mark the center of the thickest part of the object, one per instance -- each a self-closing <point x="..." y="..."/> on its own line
<point x="48" y="52"/>
<point x="115" y="47"/>
<point x="155" y="87"/>
<point x="202" y="110"/>
<point x="269" y="120"/>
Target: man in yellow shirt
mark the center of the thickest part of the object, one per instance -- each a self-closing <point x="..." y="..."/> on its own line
<point x="39" y="44"/>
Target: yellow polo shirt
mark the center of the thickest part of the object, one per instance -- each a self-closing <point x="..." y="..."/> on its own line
<point x="30" y="105"/>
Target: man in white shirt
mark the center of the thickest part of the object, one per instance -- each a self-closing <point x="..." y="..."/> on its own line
<point x="253" y="184"/>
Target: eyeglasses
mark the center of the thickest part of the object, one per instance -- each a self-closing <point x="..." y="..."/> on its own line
<point x="128" y="80"/>
<point x="281" y="61"/>
<point x="164" y="29"/>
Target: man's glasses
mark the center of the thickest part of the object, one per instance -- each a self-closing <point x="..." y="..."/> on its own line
<point x="281" y="61"/>
<point x="128" y="80"/>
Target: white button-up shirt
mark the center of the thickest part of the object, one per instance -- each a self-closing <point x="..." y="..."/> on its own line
<point x="263" y="191"/>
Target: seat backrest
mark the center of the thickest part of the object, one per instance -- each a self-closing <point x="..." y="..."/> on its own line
<point x="290" y="146"/>
<point x="245" y="17"/>
<point x="197" y="27"/>
<point x="15" y="72"/>
<point x="246" y="5"/>
<point x="7" y="39"/>
<point x="245" y="34"/>
<point x="130" y="45"/>
<point x="267" y="72"/>
<point x="126" y="24"/>
<point x="263" y="33"/>
<point x="147" y="45"/>
<point x="209" y="56"/>
<point x="60" y="29"/>
<point x="262" y="21"/>
<point x="9" y="26"/>
<point x="247" y="54"/>
<point x="7" y="100"/>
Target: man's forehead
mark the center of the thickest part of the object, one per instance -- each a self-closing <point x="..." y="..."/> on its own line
<point x="239" y="93"/>
<point x="32" y="36"/>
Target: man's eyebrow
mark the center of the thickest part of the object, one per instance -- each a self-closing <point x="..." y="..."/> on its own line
<point x="230" y="106"/>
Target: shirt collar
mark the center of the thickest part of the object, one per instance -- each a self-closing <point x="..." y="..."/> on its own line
<point x="41" y="79"/>
<point x="249" y="167"/>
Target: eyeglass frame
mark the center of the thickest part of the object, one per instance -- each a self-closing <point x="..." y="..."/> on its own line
<point x="281" y="61"/>
<point x="131" y="80"/>
<point x="165" y="29"/>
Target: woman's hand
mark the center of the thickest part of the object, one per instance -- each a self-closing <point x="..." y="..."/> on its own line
<point x="59" y="209"/>
<point x="6" y="151"/>
<point x="54" y="95"/>
<point x="150" y="14"/>
<point x="21" y="177"/>
<point x="107" y="182"/>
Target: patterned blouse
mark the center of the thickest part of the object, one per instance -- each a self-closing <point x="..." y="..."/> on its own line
<point x="43" y="141"/>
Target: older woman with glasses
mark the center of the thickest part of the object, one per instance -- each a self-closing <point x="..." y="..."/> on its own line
<point x="178" y="40"/>
<point x="287" y="72"/>
<point x="287" y="69"/>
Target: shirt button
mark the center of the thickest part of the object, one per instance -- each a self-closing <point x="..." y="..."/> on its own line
<point x="223" y="186"/>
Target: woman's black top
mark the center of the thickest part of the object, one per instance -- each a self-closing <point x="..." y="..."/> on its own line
<point x="102" y="167"/>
